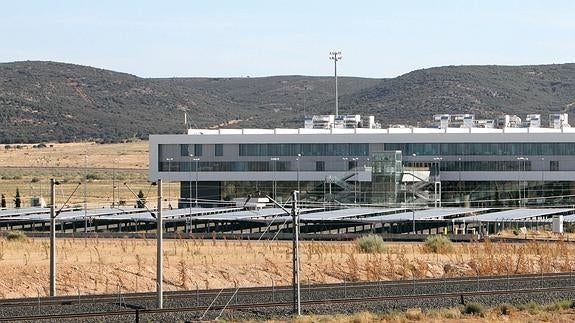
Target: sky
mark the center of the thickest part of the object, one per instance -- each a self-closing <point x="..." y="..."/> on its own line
<point x="239" y="38"/>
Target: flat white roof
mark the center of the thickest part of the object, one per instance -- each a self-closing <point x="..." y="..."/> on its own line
<point x="412" y="130"/>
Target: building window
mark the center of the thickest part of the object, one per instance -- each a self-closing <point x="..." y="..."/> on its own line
<point x="191" y="150"/>
<point x="320" y="166"/>
<point x="553" y="165"/>
<point x="185" y="150"/>
<point x="198" y="150"/>
<point x="219" y="149"/>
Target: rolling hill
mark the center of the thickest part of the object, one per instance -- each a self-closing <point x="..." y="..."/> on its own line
<point x="47" y="101"/>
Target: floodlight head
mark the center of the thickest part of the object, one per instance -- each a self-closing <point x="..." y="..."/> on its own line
<point x="154" y="183"/>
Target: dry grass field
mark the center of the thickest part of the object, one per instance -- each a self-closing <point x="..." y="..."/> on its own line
<point x="29" y="169"/>
<point x="88" y="266"/>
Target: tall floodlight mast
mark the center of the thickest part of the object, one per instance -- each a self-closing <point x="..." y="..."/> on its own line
<point x="335" y="56"/>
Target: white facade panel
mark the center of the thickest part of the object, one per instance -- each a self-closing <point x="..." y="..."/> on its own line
<point x="284" y="131"/>
<point x="458" y="130"/>
<point x="544" y="130"/>
<point x="259" y="131"/>
<point x="313" y="131"/>
<point x="399" y="130"/>
<point x="485" y="130"/>
<point x="427" y="130"/>
<point x="372" y="131"/>
<point x="342" y="131"/>
<point x="515" y="130"/>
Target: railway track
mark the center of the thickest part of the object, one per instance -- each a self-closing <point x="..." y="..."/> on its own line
<point x="137" y="313"/>
<point x="245" y="300"/>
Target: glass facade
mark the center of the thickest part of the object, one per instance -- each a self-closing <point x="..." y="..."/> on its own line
<point x="226" y="166"/>
<point x="486" y="166"/>
<point x="304" y="149"/>
<point x="383" y="163"/>
<point x="484" y="149"/>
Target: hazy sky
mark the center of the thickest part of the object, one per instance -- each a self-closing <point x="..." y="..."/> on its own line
<point x="274" y="37"/>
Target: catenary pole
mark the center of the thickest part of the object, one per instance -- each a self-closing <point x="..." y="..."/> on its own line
<point x="52" y="237"/>
<point x="159" y="249"/>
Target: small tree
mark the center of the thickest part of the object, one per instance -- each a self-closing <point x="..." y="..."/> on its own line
<point x="3" y="201"/>
<point x="17" y="199"/>
<point x="141" y="201"/>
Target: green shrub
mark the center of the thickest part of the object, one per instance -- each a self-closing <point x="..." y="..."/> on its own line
<point x="561" y="305"/>
<point x="531" y="307"/>
<point x="438" y="244"/>
<point x="16" y="236"/>
<point x="370" y="243"/>
<point x="473" y="308"/>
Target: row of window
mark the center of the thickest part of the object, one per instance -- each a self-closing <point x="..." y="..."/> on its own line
<point x="408" y="149"/>
<point x="282" y="166"/>
<point x="239" y="166"/>
<point x="225" y="166"/>
<point x="502" y="149"/>
<point x="304" y="149"/>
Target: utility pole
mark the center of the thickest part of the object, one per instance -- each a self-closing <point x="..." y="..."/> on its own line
<point x="86" y="191"/>
<point x="295" y="256"/>
<point x="52" y="238"/>
<point x="53" y="215"/>
<point x="159" y="249"/>
<point x="335" y="56"/>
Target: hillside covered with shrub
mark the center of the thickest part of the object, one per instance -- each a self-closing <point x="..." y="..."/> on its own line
<point x="47" y="101"/>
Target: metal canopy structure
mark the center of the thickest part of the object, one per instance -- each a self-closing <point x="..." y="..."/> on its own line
<point x="106" y="214"/>
<point x="516" y="214"/>
<point x="347" y="213"/>
<point x="340" y="215"/>
<point x="428" y="214"/>
<point x="237" y="219"/>
<point x="242" y="215"/>
<point x="11" y="213"/>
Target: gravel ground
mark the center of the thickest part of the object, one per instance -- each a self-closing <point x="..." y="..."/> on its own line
<point x="364" y="290"/>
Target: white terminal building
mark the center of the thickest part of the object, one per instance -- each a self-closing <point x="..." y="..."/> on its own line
<point x="457" y="161"/>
